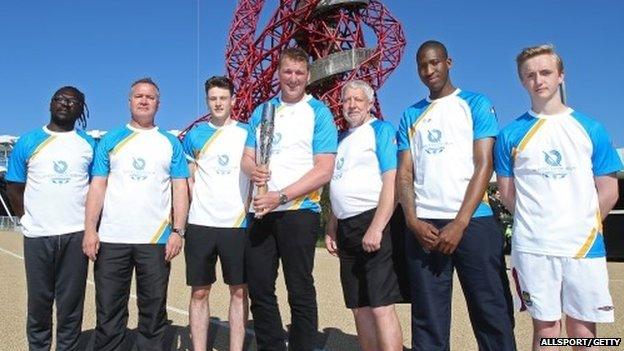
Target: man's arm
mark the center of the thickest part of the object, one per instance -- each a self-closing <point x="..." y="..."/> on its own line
<point x="180" y="211"/>
<point x="93" y="209"/>
<point x="507" y="190"/>
<point x="15" y="191"/>
<point x="451" y="234"/>
<point x="425" y="233"/>
<point x="191" y="180"/>
<point x="371" y="241"/>
<point x="607" y="189"/>
<point x="315" y="178"/>
<point x="330" y="234"/>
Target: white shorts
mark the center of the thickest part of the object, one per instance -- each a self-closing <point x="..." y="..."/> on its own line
<point x="550" y="285"/>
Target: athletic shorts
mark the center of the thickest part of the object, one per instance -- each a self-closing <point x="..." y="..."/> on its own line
<point x="203" y="244"/>
<point x="550" y="285"/>
<point x="368" y="279"/>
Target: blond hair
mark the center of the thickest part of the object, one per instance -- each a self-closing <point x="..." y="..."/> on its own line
<point x="545" y="49"/>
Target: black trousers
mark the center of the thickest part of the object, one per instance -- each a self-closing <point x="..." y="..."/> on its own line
<point x="481" y="270"/>
<point x="56" y="270"/>
<point x="291" y="236"/>
<point x="113" y="276"/>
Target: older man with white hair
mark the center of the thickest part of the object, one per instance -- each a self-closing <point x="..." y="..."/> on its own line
<point x="362" y="198"/>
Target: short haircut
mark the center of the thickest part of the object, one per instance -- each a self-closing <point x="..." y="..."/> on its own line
<point x="146" y="80"/>
<point x="432" y="44"/>
<point x="295" y="54"/>
<point x="219" y="82"/>
<point x="359" y="84"/>
<point x="545" y="49"/>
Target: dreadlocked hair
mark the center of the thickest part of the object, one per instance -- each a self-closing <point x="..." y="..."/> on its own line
<point x="84" y="113"/>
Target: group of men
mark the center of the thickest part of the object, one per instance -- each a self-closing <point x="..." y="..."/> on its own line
<point x="125" y="201"/>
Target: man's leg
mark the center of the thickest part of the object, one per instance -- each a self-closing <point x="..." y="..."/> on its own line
<point x="366" y="328"/>
<point x="152" y="277"/>
<point x="388" y="328"/>
<point x="71" y="278"/>
<point x="296" y="240"/>
<point x="199" y="316"/>
<point x="113" y="275"/>
<point x="431" y="284"/>
<point x="261" y="263"/>
<point x="39" y="264"/>
<point x="545" y="329"/>
<point x="238" y="316"/>
<point x="580" y="329"/>
<point x="481" y="270"/>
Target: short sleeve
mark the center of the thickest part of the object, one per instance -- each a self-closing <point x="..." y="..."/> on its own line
<point x="18" y="163"/>
<point x="325" y="139"/>
<point x="254" y="121"/>
<point x="605" y="159"/>
<point x="403" y="132"/>
<point x="179" y="167"/>
<point x="385" y="146"/>
<point x="485" y="122"/>
<point x="503" y="163"/>
<point x="187" y="146"/>
<point x="101" y="158"/>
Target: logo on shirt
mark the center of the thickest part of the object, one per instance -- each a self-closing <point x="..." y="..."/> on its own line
<point x="223" y="166"/>
<point x="61" y="176"/>
<point x="275" y="145"/>
<point x="526" y="298"/>
<point x="553" y="168"/>
<point x="139" y="172"/>
<point x="338" y="169"/>
<point x="435" y="145"/>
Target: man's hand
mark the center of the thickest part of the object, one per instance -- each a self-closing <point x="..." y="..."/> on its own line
<point x="266" y="203"/>
<point x="91" y="244"/>
<point x="174" y="246"/>
<point x="450" y="236"/>
<point x="371" y="241"/>
<point x="426" y="233"/>
<point x="330" y="244"/>
<point x="260" y="175"/>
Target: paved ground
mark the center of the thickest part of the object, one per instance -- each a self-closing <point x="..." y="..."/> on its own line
<point x="336" y="327"/>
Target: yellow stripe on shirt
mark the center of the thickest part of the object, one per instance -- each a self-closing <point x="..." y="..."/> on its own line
<point x="159" y="232"/>
<point x="412" y="130"/>
<point x="123" y="143"/>
<point x="531" y="133"/>
<point x="208" y="143"/>
<point x="41" y="146"/>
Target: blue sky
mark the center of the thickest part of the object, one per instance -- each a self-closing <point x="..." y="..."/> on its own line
<point x="102" y="46"/>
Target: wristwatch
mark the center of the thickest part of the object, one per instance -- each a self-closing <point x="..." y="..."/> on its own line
<point x="179" y="231"/>
<point x="283" y="198"/>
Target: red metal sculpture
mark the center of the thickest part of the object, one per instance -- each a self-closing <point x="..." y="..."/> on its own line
<point x="333" y="33"/>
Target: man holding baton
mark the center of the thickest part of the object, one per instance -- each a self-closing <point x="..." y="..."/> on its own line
<point x="302" y="153"/>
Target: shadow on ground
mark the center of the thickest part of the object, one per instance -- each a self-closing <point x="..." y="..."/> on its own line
<point x="178" y="338"/>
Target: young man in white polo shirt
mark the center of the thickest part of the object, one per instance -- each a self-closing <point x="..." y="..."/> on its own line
<point x="556" y="172"/>
<point x="217" y="219"/>
<point x="139" y="176"/>
<point x="48" y="174"/>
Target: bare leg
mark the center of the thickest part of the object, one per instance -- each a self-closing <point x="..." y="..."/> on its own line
<point x="199" y="316"/>
<point x="580" y="329"/>
<point x="239" y="311"/>
<point x="365" y="326"/>
<point x="389" y="333"/>
<point x="544" y="329"/>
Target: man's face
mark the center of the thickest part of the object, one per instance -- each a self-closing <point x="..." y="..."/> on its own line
<point x="293" y="77"/>
<point x="220" y="102"/>
<point x="541" y="77"/>
<point x="144" y="102"/>
<point x="65" y="107"/>
<point x="433" y="68"/>
<point x="355" y="107"/>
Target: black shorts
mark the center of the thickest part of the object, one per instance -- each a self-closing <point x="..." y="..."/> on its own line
<point x="203" y="245"/>
<point x="368" y="279"/>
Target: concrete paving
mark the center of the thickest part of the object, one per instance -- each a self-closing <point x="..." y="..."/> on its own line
<point x="336" y="327"/>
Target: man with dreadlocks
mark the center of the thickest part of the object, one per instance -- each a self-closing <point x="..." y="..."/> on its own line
<point x="48" y="175"/>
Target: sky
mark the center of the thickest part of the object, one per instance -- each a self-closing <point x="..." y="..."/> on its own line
<point x="102" y="46"/>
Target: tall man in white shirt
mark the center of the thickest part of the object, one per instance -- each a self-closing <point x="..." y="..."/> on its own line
<point x="556" y="172"/>
<point x="136" y="170"/>
<point x="287" y="216"/>
<point x="48" y="175"/>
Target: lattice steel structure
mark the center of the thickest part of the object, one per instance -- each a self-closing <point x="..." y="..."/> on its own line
<point x="331" y="31"/>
